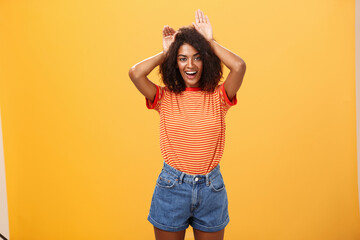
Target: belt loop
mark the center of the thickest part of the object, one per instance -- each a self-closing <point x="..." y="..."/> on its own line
<point x="181" y="178"/>
<point x="207" y="180"/>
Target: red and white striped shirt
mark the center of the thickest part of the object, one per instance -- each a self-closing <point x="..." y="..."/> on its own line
<point x="192" y="127"/>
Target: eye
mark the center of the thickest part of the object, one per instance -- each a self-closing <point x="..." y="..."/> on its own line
<point x="198" y="58"/>
<point x="182" y="59"/>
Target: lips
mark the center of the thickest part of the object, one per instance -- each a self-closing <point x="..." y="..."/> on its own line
<point x="191" y="74"/>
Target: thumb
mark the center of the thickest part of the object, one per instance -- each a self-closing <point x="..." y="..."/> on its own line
<point x="196" y="26"/>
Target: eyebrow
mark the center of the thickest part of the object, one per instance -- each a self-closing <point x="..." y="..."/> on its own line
<point x="182" y="55"/>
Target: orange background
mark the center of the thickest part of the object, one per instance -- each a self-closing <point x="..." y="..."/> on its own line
<point x="82" y="151"/>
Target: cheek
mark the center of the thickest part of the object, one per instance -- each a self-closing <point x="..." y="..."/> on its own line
<point x="201" y="67"/>
<point x="179" y="65"/>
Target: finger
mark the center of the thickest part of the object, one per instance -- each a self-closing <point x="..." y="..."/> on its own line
<point x="207" y="19"/>
<point x="197" y="16"/>
<point x="202" y="16"/>
<point x="175" y="34"/>
<point x="196" y="26"/>
<point x="167" y="31"/>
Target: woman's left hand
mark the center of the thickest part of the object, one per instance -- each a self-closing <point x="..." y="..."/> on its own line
<point x="203" y="25"/>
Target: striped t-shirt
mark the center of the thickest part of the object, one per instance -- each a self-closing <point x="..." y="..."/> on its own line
<point x="192" y="127"/>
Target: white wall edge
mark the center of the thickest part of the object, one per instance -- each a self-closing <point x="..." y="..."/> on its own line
<point x="4" y="218"/>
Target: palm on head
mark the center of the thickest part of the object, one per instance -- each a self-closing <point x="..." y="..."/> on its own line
<point x="168" y="37"/>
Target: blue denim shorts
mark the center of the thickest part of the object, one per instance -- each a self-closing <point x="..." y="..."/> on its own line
<point x="180" y="200"/>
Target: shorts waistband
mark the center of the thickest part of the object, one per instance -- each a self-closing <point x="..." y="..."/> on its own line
<point x="184" y="177"/>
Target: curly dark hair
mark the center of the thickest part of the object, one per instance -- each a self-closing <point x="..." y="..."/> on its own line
<point x="212" y="67"/>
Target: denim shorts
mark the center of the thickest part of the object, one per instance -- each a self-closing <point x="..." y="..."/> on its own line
<point x="181" y="199"/>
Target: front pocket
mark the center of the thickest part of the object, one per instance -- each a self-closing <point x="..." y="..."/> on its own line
<point x="165" y="180"/>
<point x="217" y="183"/>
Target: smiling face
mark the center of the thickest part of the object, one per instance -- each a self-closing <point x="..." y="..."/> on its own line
<point x="190" y="65"/>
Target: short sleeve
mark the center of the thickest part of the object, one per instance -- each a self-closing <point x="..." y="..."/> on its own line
<point x="225" y="101"/>
<point x="157" y="100"/>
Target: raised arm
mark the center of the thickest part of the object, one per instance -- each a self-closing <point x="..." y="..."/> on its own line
<point x="138" y="73"/>
<point x="232" y="61"/>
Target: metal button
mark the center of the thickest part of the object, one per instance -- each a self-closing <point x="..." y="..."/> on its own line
<point x="196" y="179"/>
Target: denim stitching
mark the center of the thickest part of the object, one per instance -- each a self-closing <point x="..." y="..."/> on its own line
<point x="214" y="226"/>
<point x="166" y="225"/>
<point x="172" y="174"/>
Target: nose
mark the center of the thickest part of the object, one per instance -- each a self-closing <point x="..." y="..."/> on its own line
<point x="190" y="63"/>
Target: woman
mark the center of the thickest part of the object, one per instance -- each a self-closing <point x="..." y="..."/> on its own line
<point x="192" y="107"/>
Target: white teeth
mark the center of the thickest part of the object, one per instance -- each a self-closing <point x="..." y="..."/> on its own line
<point x="191" y="72"/>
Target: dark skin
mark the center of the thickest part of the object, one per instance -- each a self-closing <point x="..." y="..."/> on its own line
<point x="199" y="235"/>
<point x="138" y="74"/>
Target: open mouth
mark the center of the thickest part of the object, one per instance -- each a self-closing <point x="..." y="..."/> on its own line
<point x="190" y="75"/>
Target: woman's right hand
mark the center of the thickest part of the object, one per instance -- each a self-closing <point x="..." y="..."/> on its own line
<point x="168" y="37"/>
